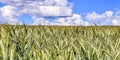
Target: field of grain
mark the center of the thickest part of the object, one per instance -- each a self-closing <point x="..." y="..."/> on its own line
<point x="59" y="42"/>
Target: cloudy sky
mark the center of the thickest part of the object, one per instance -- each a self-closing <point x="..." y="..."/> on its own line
<point x="60" y="12"/>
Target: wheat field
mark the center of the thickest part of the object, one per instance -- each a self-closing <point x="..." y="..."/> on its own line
<point x="22" y="42"/>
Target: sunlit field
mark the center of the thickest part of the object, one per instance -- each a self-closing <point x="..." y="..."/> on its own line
<point x="59" y="42"/>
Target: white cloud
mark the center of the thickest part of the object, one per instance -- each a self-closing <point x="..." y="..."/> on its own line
<point x="108" y="13"/>
<point x="106" y="18"/>
<point x="48" y="11"/>
<point x="95" y="16"/>
<point x="73" y="20"/>
<point x="40" y="2"/>
<point x="41" y="7"/>
<point x="40" y="21"/>
<point x="116" y="22"/>
<point x="53" y="8"/>
<point x="8" y="14"/>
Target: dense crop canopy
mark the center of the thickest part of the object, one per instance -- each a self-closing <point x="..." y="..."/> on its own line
<point x="59" y="43"/>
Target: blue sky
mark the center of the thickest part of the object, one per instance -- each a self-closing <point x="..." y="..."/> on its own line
<point x="95" y="5"/>
<point x="60" y="12"/>
<point x="99" y="6"/>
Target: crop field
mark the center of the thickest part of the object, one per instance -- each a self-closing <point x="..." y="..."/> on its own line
<point x="59" y="42"/>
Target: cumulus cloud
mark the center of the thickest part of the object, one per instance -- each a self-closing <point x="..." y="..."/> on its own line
<point x="40" y="21"/>
<point x="41" y="7"/>
<point x="46" y="11"/>
<point x="73" y="20"/>
<point x="8" y="15"/>
<point x="37" y="2"/>
<point x="95" y="16"/>
<point x="115" y="22"/>
<point x="106" y="18"/>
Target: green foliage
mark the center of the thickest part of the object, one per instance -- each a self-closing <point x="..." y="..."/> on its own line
<point x="59" y="43"/>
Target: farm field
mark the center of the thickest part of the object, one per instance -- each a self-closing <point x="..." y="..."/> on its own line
<point x="59" y="42"/>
